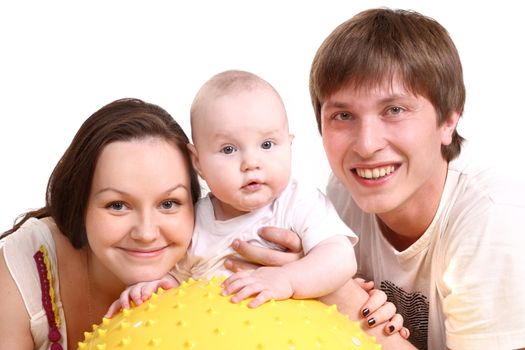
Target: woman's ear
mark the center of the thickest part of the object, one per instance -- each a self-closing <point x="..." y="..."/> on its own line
<point x="194" y="155"/>
<point x="448" y="127"/>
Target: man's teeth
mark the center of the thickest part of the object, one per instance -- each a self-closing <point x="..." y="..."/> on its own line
<point x="375" y="173"/>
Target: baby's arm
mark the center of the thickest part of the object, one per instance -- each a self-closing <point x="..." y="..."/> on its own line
<point x="326" y="267"/>
<point x="140" y="292"/>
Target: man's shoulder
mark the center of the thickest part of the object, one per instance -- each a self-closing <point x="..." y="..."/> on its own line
<point x="481" y="181"/>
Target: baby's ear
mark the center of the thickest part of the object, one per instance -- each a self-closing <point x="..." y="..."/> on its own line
<point x="194" y="155"/>
<point x="292" y="136"/>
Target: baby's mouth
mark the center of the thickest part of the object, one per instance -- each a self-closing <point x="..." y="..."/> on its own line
<point x="252" y="185"/>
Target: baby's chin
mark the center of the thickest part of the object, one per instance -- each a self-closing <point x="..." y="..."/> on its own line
<point x="251" y="205"/>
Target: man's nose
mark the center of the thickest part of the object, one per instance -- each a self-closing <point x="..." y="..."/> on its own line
<point x="368" y="137"/>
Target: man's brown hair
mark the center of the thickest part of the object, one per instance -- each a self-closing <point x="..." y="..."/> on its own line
<point x="377" y="45"/>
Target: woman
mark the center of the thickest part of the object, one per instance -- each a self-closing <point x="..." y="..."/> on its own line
<point x="119" y="209"/>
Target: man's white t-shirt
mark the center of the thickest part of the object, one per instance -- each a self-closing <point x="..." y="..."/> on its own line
<point x="303" y="210"/>
<point x="462" y="284"/>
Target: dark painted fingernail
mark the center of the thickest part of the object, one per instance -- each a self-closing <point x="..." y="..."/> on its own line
<point x="366" y="312"/>
<point x="391" y="328"/>
<point x="371" y="322"/>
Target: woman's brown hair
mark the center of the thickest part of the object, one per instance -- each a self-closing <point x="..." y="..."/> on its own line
<point x="69" y="185"/>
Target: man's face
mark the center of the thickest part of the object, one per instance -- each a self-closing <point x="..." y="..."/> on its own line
<point x="384" y="145"/>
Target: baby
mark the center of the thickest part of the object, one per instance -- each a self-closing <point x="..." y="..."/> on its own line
<point x="242" y="149"/>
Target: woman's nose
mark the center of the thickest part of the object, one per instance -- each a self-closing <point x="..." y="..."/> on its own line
<point x="146" y="228"/>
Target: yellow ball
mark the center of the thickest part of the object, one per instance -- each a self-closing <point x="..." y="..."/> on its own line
<point x="195" y="316"/>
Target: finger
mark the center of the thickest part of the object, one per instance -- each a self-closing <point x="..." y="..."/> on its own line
<point x="404" y="332"/>
<point x="235" y="265"/>
<point x="124" y="299"/>
<point x="359" y="281"/>
<point x="168" y="283"/>
<point x="247" y="291"/>
<point x="383" y="314"/>
<point x="235" y="277"/>
<point x="235" y="286"/>
<point x="264" y="256"/>
<point x="367" y="286"/>
<point x="260" y="299"/>
<point x="285" y="238"/>
<point x="394" y="325"/>
<point x="135" y="294"/>
<point x="113" y="309"/>
<point x="148" y="289"/>
<point x="375" y="301"/>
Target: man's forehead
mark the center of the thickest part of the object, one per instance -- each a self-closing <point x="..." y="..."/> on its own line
<point x="394" y="88"/>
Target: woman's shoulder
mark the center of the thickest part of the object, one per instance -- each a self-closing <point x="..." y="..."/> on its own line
<point x="20" y="252"/>
<point x="14" y="319"/>
<point x="21" y="292"/>
<point x="28" y="238"/>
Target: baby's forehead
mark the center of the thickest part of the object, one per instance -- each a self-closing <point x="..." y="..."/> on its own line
<point x="253" y="88"/>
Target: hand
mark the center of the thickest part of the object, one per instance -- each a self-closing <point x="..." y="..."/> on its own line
<point x="378" y="310"/>
<point x="140" y="292"/>
<point x="256" y="256"/>
<point x="265" y="283"/>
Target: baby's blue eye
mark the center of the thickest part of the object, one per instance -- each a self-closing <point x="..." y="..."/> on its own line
<point x="228" y="150"/>
<point x="267" y="144"/>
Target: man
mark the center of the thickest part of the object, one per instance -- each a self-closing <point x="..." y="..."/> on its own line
<point x="439" y="235"/>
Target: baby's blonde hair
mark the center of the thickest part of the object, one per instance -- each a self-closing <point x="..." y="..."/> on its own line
<point x="226" y="83"/>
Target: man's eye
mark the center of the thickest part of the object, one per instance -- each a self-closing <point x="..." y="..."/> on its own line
<point x="228" y="150"/>
<point x="343" y="116"/>
<point x="395" y="110"/>
<point x="267" y="145"/>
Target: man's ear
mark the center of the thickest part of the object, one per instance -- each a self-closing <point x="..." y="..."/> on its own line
<point x="447" y="128"/>
<point x="194" y="155"/>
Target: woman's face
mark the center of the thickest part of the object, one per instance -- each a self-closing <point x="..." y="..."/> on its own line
<point x="140" y="218"/>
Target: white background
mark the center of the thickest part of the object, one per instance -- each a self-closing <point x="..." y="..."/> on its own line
<point x="62" y="60"/>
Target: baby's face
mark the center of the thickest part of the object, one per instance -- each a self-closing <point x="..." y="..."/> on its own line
<point x="243" y="149"/>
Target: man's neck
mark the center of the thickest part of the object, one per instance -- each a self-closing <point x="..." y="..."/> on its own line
<point x="405" y="225"/>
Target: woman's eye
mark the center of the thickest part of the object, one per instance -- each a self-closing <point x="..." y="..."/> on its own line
<point x="267" y="145"/>
<point x="170" y="204"/>
<point x="343" y="116"/>
<point x="228" y="150"/>
<point x="118" y="206"/>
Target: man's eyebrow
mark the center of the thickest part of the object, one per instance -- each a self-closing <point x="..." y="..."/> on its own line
<point x="386" y="99"/>
<point x="335" y="104"/>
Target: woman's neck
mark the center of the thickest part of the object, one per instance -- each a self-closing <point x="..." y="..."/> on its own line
<point x="104" y="286"/>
